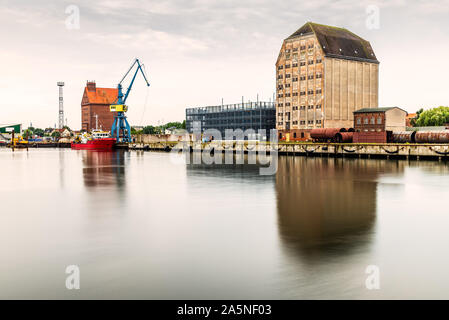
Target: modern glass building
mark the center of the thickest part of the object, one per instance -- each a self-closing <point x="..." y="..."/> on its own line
<point x="250" y="115"/>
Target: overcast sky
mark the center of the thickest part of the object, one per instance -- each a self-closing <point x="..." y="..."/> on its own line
<point x="197" y="52"/>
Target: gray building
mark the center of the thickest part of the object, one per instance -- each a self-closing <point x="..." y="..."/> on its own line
<point x="250" y="115"/>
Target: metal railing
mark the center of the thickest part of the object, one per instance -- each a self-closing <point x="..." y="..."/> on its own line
<point x="231" y="107"/>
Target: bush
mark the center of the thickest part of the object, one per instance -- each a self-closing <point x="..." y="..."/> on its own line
<point x="433" y="117"/>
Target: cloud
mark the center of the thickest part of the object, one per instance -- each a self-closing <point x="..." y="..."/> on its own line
<point x="199" y="51"/>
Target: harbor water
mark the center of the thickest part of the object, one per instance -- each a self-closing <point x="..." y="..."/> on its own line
<point x="141" y="226"/>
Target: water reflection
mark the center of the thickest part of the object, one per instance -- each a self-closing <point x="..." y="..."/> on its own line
<point x="142" y="227"/>
<point x="103" y="168"/>
<point x="327" y="206"/>
<point x="243" y="166"/>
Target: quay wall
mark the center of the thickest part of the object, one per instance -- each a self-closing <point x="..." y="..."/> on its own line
<point x="383" y="150"/>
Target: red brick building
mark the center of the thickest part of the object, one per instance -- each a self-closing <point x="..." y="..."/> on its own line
<point x="376" y="125"/>
<point x="96" y="101"/>
<point x="379" y="119"/>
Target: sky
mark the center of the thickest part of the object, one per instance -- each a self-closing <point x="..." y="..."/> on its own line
<point x="198" y="52"/>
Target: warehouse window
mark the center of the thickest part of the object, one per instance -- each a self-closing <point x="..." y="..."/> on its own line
<point x="365" y="121"/>
<point x="379" y="120"/>
<point x="372" y="120"/>
<point x="359" y="121"/>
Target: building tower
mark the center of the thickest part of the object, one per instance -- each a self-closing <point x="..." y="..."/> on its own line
<point x="323" y="74"/>
<point x="61" y="106"/>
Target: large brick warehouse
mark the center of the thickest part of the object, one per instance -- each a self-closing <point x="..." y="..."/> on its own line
<point x="95" y="103"/>
<point x="323" y="74"/>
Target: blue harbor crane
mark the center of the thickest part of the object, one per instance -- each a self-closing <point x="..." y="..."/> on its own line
<point x="121" y="130"/>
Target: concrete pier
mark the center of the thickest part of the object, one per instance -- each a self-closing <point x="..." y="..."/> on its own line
<point x="387" y="151"/>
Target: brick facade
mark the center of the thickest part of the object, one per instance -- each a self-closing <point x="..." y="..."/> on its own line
<point x="95" y="102"/>
<point x="370" y="121"/>
<point x="323" y="74"/>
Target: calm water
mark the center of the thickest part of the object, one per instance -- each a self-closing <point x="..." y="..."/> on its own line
<point x="140" y="226"/>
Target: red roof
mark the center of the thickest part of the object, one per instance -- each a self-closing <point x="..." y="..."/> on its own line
<point x="99" y="95"/>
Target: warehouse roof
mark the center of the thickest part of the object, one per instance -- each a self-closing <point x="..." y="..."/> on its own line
<point x="94" y="95"/>
<point x="338" y="42"/>
<point x="371" y="110"/>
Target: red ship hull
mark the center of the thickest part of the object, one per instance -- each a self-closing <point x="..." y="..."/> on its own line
<point x="97" y="144"/>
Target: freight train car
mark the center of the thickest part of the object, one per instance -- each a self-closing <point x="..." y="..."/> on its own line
<point x="403" y="137"/>
<point x="432" y="136"/>
<point x="332" y="135"/>
<point x="421" y="137"/>
<point x="347" y="135"/>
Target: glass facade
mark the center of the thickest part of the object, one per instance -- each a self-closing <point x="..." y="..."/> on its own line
<point x="250" y="115"/>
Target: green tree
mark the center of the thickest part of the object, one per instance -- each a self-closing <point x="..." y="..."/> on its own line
<point x="433" y="117"/>
<point x="177" y="125"/>
<point x="149" y="130"/>
<point x="27" y="133"/>
<point x="39" y="132"/>
<point x="134" y="131"/>
<point x="413" y="121"/>
<point x="56" y="135"/>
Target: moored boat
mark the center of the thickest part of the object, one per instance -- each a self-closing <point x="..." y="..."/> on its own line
<point x="98" y="141"/>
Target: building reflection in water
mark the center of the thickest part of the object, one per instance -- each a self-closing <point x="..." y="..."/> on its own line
<point x="104" y="168"/>
<point x="240" y="167"/>
<point x="327" y="206"/>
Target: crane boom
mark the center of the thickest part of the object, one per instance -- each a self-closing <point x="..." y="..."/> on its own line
<point x="139" y="67"/>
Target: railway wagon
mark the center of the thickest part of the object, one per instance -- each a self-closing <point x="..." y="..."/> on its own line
<point x="332" y="135"/>
<point x="403" y="137"/>
<point x="432" y="136"/>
